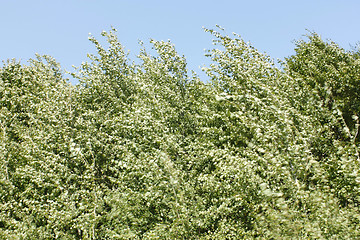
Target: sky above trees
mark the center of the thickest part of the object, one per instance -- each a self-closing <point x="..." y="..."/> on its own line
<point x="61" y="29"/>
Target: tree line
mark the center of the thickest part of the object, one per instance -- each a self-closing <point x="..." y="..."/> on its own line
<point x="148" y="150"/>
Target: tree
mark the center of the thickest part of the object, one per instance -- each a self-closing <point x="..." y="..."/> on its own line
<point x="147" y="150"/>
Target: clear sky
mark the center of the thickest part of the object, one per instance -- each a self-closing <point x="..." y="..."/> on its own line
<point x="61" y="28"/>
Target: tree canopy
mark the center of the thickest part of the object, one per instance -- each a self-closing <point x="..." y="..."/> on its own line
<point x="146" y="150"/>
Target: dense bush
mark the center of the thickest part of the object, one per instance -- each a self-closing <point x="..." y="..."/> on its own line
<point x="149" y="151"/>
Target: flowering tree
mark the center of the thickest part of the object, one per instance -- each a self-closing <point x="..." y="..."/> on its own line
<point x="147" y="150"/>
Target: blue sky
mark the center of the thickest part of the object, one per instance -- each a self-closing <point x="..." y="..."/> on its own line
<point x="61" y="28"/>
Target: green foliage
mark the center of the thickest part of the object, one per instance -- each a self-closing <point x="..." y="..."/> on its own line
<point x="148" y="151"/>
